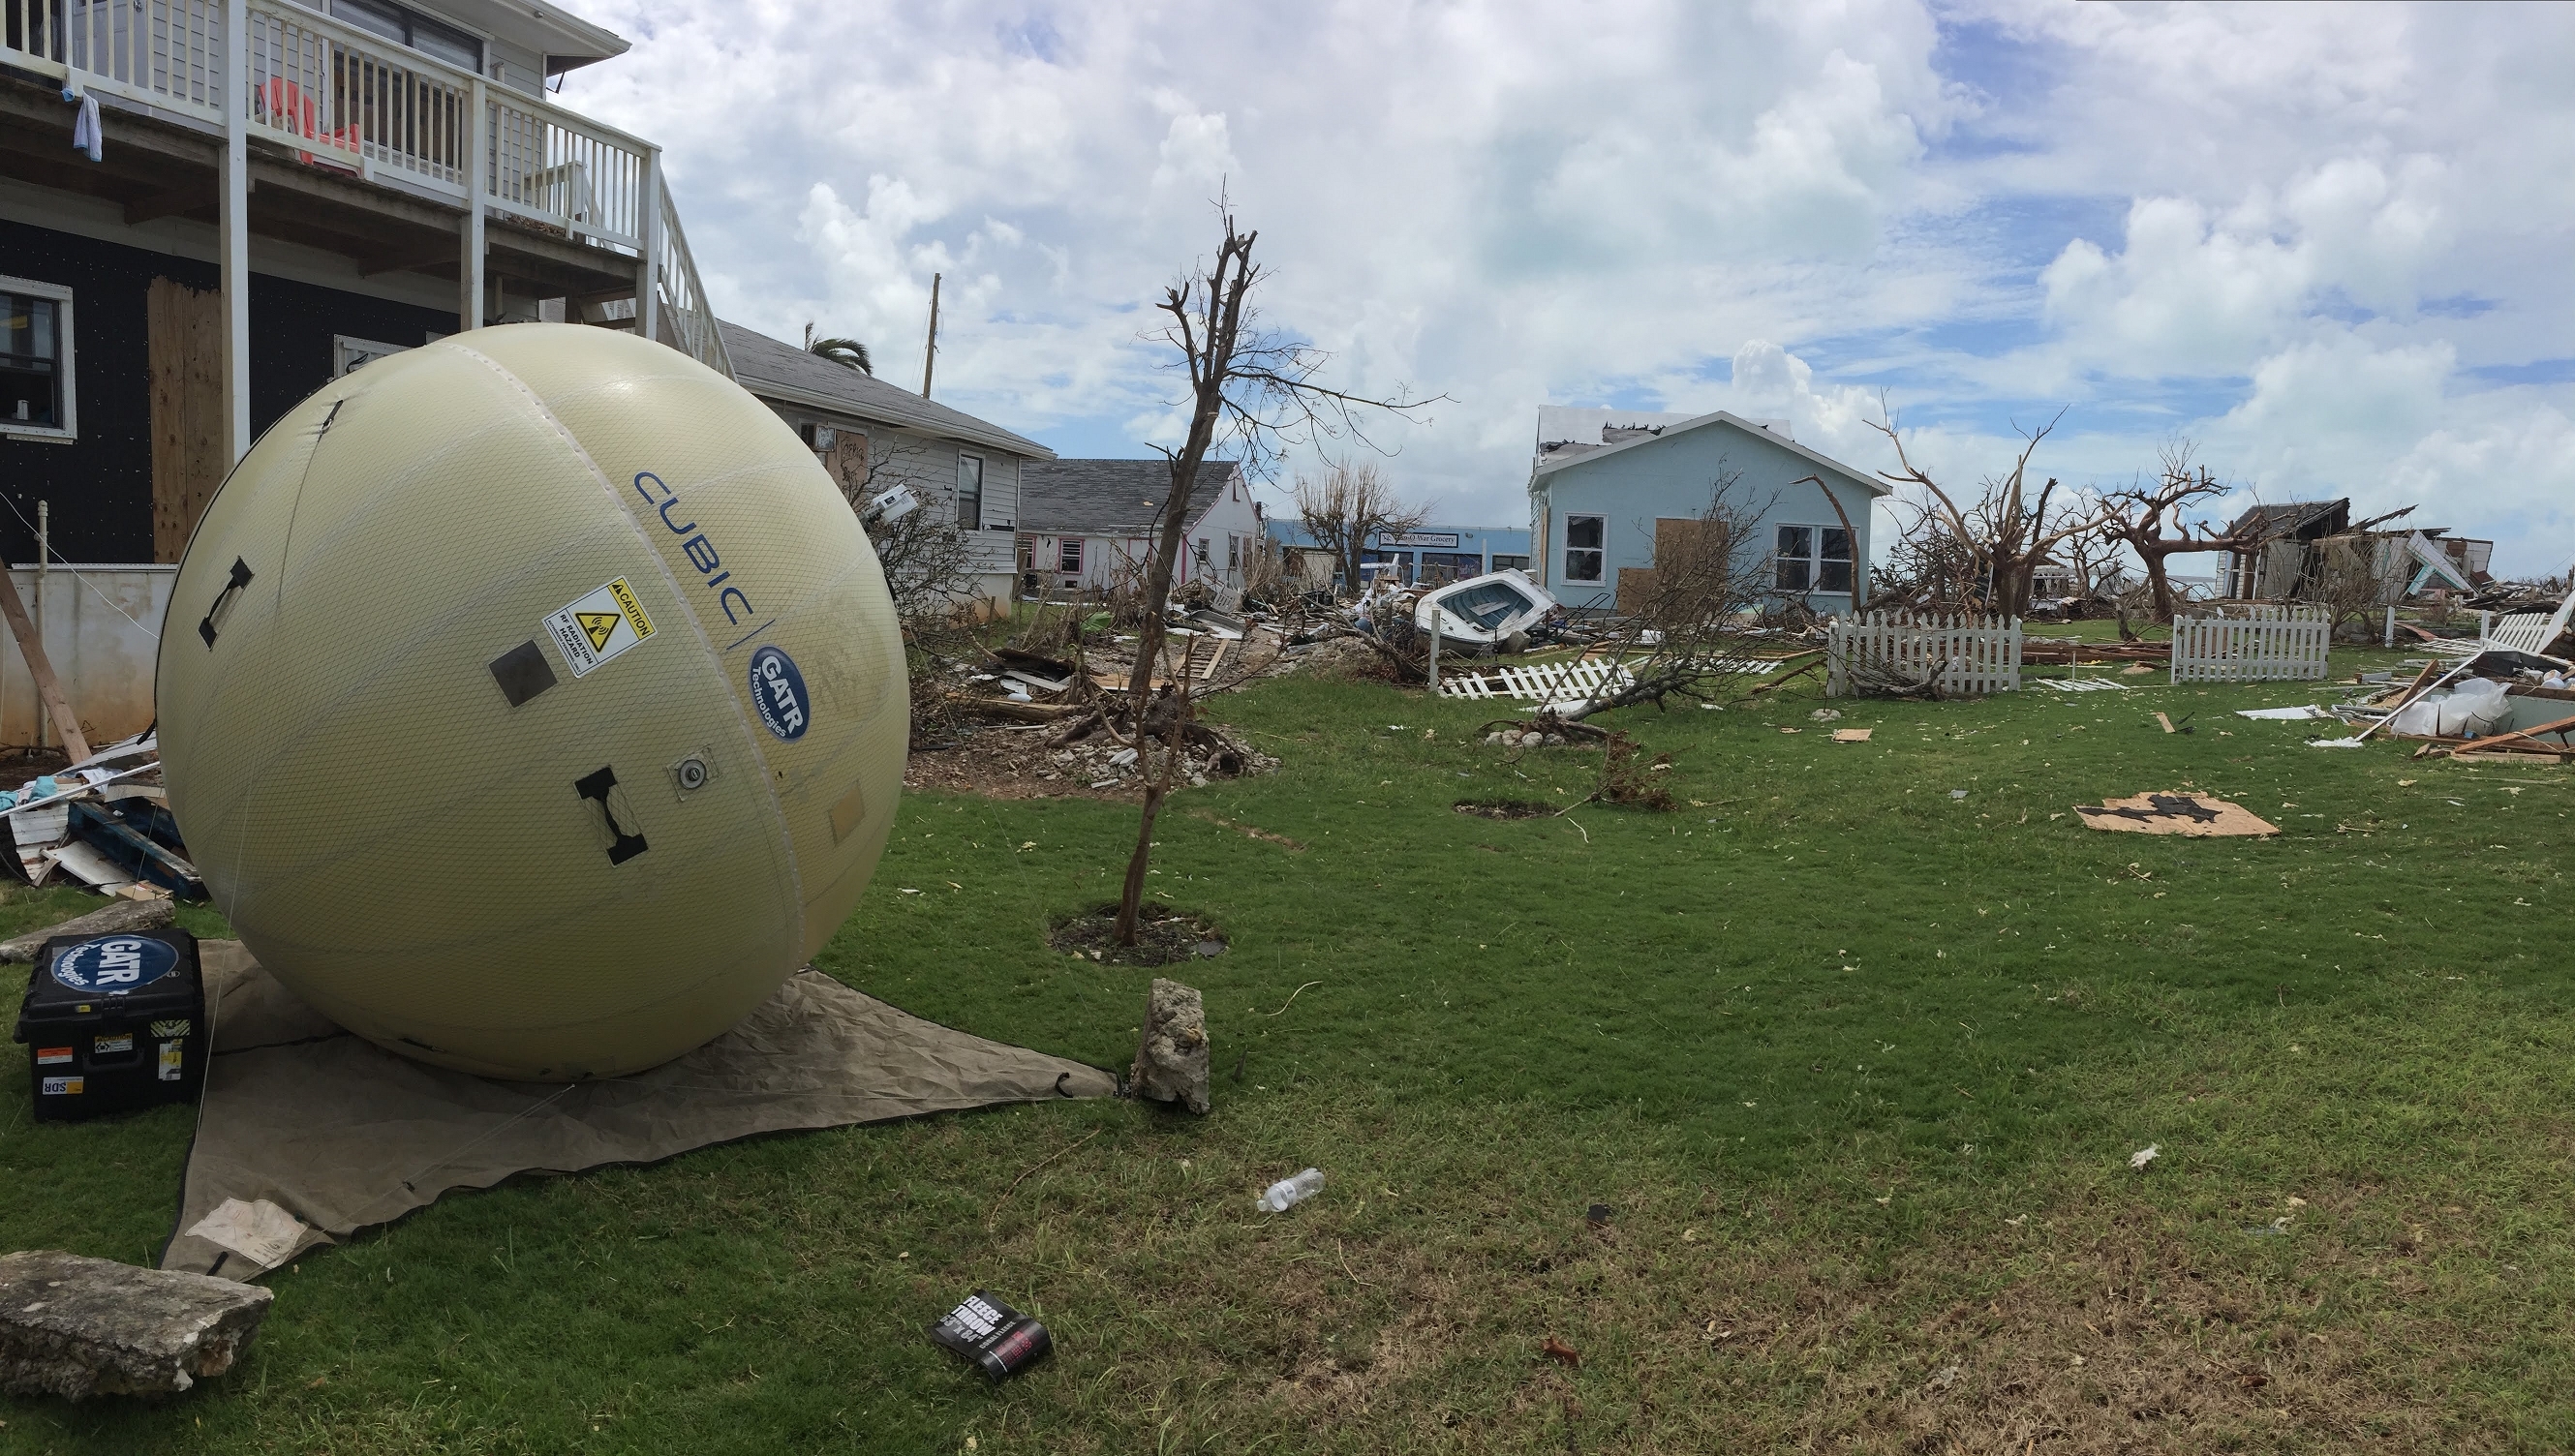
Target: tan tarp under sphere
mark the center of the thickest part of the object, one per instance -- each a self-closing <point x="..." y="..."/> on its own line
<point x="334" y="1135"/>
<point x="532" y="702"/>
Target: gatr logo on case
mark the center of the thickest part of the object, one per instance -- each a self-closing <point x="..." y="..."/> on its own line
<point x="114" y="964"/>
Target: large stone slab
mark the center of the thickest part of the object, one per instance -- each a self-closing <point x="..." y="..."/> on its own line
<point x="79" y="1327"/>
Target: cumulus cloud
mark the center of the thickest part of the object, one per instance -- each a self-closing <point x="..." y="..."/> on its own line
<point x="2326" y="242"/>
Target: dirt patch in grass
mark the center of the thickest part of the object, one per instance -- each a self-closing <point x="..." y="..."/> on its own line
<point x="1502" y="808"/>
<point x="1164" y="936"/>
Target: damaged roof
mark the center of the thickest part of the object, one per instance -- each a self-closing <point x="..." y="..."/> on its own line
<point x="1111" y="497"/>
<point x="2294" y="518"/>
<point x="776" y="370"/>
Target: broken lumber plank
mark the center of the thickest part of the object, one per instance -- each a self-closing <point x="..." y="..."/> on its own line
<point x="2560" y="726"/>
<point x="40" y="668"/>
<point x="129" y="915"/>
<point x="2166" y="721"/>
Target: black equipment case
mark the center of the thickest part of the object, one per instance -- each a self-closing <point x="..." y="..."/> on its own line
<point x="113" y="1022"/>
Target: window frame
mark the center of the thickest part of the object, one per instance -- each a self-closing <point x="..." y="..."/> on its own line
<point x="1599" y="551"/>
<point x="66" y="379"/>
<point x="1813" y="563"/>
<point x="976" y="522"/>
<point x="1067" y="556"/>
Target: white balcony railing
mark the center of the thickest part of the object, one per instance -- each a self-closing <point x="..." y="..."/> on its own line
<point x="339" y="98"/>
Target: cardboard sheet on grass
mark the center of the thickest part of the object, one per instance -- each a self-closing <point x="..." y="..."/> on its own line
<point x="2194" y="815"/>
<point x="341" y="1133"/>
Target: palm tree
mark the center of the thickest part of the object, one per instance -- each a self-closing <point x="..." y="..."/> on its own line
<point x="847" y="353"/>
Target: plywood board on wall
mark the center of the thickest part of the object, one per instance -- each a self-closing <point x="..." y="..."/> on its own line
<point x="185" y="348"/>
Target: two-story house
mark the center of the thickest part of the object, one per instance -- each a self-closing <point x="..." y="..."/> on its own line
<point x="271" y="193"/>
<point x="210" y="208"/>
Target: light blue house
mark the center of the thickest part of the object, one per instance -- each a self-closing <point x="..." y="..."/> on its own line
<point x="1604" y="479"/>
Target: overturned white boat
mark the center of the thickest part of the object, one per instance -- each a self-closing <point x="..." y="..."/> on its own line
<point x="1483" y="610"/>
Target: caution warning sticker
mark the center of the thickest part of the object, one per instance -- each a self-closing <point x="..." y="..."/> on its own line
<point x="598" y="627"/>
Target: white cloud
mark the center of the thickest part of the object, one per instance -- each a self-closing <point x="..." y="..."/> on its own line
<point x="2308" y="235"/>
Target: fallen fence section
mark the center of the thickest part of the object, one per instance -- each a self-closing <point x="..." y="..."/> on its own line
<point x="1538" y="683"/>
<point x="1958" y="654"/>
<point x="2273" y="644"/>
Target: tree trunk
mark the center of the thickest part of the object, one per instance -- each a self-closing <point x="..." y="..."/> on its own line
<point x="1130" y="898"/>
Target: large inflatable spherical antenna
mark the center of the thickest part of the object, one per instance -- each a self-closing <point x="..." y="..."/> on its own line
<point x="532" y="702"/>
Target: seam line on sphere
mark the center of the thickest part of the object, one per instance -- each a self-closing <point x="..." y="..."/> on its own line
<point x="741" y="715"/>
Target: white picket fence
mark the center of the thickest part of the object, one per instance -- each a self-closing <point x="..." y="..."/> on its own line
<point x="1964" y="655"/>
<point x="2264" y="645"/>
<point x="1538" y="683"/>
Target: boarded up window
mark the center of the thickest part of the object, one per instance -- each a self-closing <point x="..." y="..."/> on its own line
<point x="1683" y="544"/>
<point x="184" y="349"/>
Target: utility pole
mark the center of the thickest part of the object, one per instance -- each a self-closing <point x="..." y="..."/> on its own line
<point x="929" y="354"/>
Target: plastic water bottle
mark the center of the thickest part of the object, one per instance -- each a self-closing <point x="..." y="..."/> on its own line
<point x="1286" y="1193"/>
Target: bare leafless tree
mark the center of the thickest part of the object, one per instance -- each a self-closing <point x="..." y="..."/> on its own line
<point x="2006" y="534"/>
<point x="1257" y="390"/>
<point x="1349" y="505"/>
<point x="2148" y="518"/>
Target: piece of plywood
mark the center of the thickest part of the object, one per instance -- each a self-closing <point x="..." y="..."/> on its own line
<point x="183" y="336"/>
<point x="1635" y="590"/>
<point x="1851" y="736"/>
<point x="2196" y="816"/>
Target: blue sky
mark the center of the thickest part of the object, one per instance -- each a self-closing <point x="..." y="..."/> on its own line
<point x="2329" y="245"/>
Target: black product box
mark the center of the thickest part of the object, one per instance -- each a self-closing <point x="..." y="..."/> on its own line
<point x="113" y="1022"/>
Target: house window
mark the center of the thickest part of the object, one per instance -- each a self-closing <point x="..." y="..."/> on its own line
<point x="1067" y="556"/>
<point x="410" y="27"/>
<point x="1028" y="555"/>
<point x="36" y="396"/>
<point x="970" y="492"/>
<point x="1511" y="563"/>
<point x="1233" y="553"/>
<point x="1814" y="558"/>
<point x="1583" y="556"/>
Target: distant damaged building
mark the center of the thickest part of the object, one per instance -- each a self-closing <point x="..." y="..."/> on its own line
<point x="2304" y="547"/>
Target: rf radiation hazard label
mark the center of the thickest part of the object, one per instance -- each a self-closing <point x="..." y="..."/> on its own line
<point x="598" y="627"/>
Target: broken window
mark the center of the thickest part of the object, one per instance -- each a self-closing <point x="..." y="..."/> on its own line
<point x="1067" y="556"/>
<point x="1582" y="553"/>
<point x="1814" y="558"/>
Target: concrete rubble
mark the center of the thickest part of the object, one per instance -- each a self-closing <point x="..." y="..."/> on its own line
<point x="1172" y="1062"/>
<point x="78" y="1327"/>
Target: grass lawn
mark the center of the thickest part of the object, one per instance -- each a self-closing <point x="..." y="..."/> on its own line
<point x="1856" y="1065"/>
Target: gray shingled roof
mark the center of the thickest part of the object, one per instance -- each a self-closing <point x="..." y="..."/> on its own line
<point x="1111" y="497"/>
<point x="774" y="370"/>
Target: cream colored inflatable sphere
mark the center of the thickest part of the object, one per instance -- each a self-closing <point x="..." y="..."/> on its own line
<point x="532" y="702"/>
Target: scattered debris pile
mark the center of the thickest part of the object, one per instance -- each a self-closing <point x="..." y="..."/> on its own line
<point x="103" y="823"/>
<point x="2498" y="704"/>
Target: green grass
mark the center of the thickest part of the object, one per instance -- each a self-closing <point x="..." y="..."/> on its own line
<point x="1857" y="1066"/>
